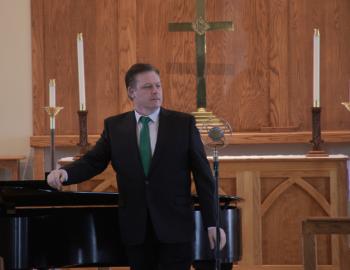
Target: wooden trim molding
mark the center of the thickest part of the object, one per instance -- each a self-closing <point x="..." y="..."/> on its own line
<point x="234" y="139"/>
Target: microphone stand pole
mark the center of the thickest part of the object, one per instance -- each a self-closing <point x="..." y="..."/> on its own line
<point x="217" y="202"/>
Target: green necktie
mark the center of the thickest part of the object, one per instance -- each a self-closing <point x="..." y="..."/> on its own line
<point x="145" y="144"/>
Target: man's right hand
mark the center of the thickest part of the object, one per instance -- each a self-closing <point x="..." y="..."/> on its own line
<point x="56" y="178"/>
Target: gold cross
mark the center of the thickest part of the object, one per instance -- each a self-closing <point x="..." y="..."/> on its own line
<point x="200" y="26"/>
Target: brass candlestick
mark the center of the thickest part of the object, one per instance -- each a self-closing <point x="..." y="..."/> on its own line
<point x="52" y="112"/>
<point x="347" y="105"/>
<point x="316" y="134"/>
<point x="83" y="136"/>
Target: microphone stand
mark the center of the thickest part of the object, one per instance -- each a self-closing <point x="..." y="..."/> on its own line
<point x="216" y="140"/>
<point x="217" y="202"/>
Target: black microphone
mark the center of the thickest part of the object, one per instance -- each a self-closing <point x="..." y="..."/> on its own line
<point x="216" y="134"/>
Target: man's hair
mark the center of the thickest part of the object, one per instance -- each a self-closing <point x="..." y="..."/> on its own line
<point x="137" y="69"/>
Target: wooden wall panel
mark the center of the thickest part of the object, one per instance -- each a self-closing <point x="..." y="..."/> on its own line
<point x="278" y="62"/>
<point x="300" y="64"/>
<point x="38" y="59"/>
<point x="179" y="50"/>
<point x="105" y="64"/>
<point x="61" y="22"/>
<point x="336" y="73"/>
<point x="259" y="77"/>
<point x="243" y="92"/>
<point x="126" y="48"/>
<point x="283" y="233"/>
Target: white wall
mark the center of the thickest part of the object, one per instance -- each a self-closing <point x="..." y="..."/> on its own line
<point x="15" y="78"/>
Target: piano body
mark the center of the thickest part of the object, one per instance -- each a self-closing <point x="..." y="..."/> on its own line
<point x="42" y="228"/>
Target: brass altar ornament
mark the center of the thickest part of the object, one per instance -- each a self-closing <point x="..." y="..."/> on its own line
<point x="53" y="111"/>
<point x="202" y="116"/>
<point x="200" y="26"/>
<point x="347" y="105"/>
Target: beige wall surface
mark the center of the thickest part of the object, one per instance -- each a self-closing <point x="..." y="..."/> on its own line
<point x="15" y="77"/>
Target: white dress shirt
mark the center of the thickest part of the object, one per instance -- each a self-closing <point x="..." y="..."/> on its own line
<point x="153" y="127"/>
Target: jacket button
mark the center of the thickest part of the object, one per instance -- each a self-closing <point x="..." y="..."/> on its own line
<point x="146" y="182"/>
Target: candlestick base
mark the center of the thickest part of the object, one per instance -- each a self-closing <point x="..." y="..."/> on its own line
<point x="318" y="153"/>
<point x="316" y="140"/>
<point x="53" y="111"/>
<point x="347" y="105"/>
<point x="83" y="136"/>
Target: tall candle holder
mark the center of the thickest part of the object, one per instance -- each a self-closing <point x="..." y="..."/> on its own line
<point x="347" y="105"/>
<point x="52" y="112"/>
<point x="316" y="134"/>
<point x="83" y="137"/>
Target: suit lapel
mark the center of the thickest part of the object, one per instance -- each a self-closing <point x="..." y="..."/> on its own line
<point x="131" y="140"/>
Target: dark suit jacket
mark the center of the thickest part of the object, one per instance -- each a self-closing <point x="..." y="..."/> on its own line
<point x="166" y="192"/>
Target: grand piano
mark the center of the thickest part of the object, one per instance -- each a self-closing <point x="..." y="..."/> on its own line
<point x="43" y="228"/>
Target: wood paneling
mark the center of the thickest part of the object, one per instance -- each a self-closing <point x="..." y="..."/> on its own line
<point x="179" y="51"/>
<point x="55" y="25"/>
<point x="258" y="76"/>
<point x="38" y="60"/>
<point x="236" y="138"/>
<point x="280" y="193"/>
<point x="126" y="48"/>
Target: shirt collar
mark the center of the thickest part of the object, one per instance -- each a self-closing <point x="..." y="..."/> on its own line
<point x="154" y="116"/>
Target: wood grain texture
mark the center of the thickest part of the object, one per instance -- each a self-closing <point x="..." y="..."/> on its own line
<point x="280" y="229"/>
<point x="177" y="49"/>
<point x="236" y="138"/>
<point x="312" y="226"/>
<point x="38" y="68"/>
<point x="278" y="62"/>
<point x="39" y="162"/>
<point x="249" y="186"/>
<point x="55" y="50"/>
<point x="258" y="76"/>
<point x="126" y="48"/>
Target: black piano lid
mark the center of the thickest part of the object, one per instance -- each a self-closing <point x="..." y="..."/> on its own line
<point x="38" y="193"/>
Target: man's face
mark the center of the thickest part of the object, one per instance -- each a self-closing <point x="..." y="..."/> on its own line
<point x="146" y="92"/>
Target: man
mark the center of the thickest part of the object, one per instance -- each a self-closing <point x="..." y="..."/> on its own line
<point x="153" y="151"/>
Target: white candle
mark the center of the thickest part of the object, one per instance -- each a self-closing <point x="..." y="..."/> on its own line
<point x="316" y="68"/>
<point x="81" y="75"/>
<point x="52" y="93"/>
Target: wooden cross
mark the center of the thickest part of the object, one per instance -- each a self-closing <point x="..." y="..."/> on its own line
<point x="200" y="26"/>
